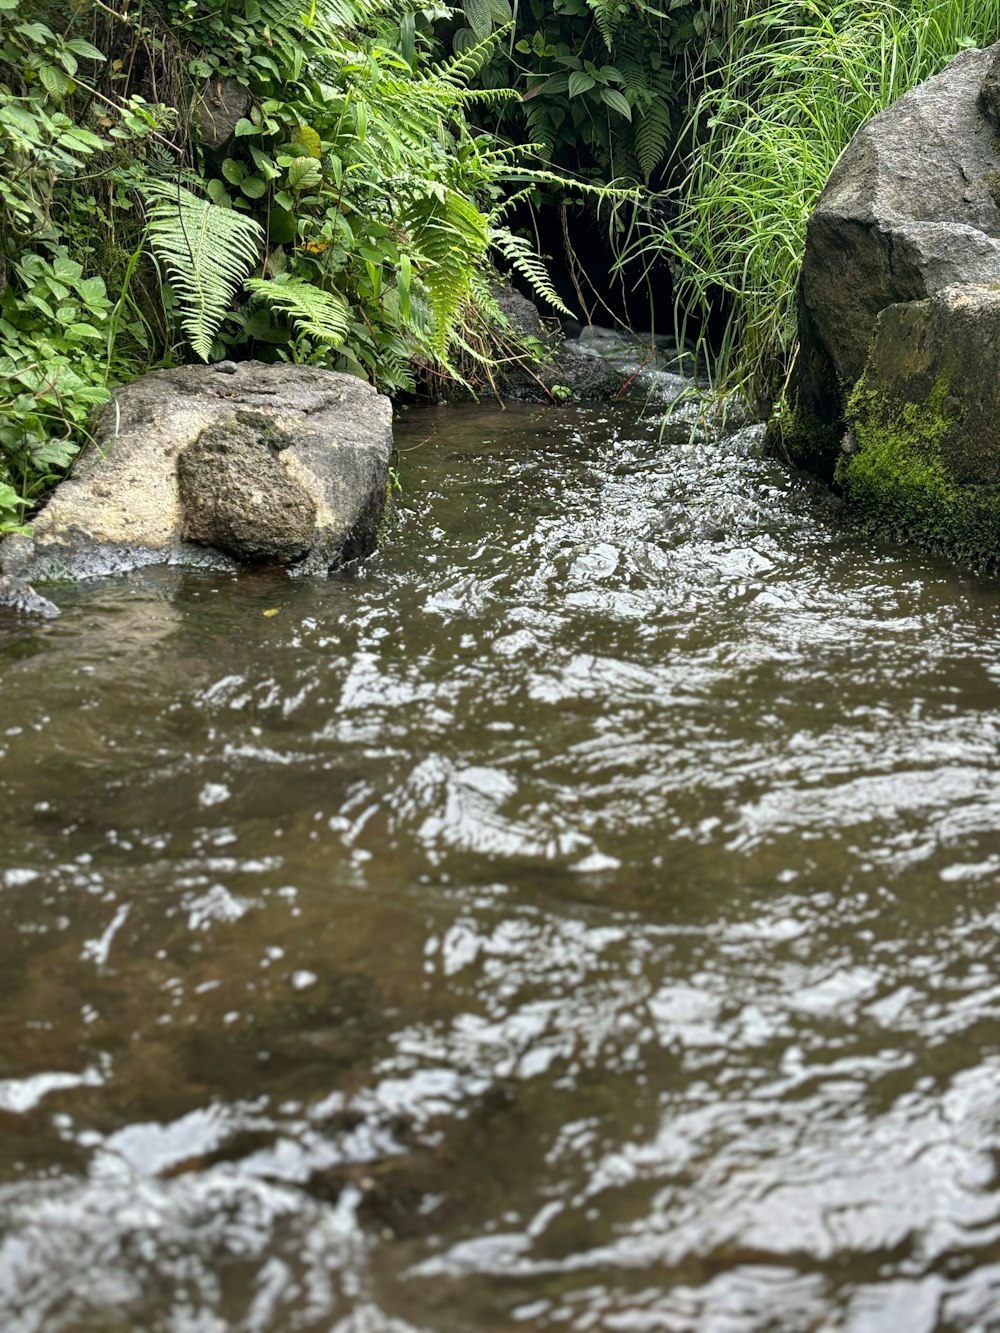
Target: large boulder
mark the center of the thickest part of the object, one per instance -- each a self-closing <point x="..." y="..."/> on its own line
<point x="910" y="208"/>
<point x="213" y="466"/>
<point x="922" y="456"/>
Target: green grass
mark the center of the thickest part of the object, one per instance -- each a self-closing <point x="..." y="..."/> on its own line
<point x="792" y="83"/>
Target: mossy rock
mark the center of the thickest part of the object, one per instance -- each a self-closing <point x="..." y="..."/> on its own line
<point x="922" y="456"/>
<point x="798" y="433"/>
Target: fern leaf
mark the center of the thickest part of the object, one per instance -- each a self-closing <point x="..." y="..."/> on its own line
<point x="608" y="15"/>
<point x="317" y="313"/>
<point x="207" y="252"/>
<point x="520" y="255"/>
<point x="451" y="236"/>
<point x="462" y="68"/>
<point x="652" y="136"/>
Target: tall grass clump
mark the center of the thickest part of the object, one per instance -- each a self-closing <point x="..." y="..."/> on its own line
<point x="792" y="83"/>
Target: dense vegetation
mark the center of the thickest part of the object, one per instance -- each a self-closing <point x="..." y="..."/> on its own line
<point x="346" y="220"/>
<point x="351" y="212"/>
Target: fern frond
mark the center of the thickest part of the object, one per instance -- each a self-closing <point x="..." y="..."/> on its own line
<point x="608" y="14"/>
<point x="521" y="256"/>
<point x="483" y="301"/>
<point x="450" y="236"/>
<point x="462" y="68"/>
<point x="207" y="252"/>
<point x="572" y="185"/>
<point x="314" y="312"/>
<point x="652" y="137"/>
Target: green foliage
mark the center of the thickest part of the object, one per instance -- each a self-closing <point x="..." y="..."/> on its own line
<point x="450" y="235"/>
<point x="207" y="252"/>
<point x="55" y="329"/>
<point x="347" y="222"/>
<point x="794" y="82"/>
<point x="59" y="330"/>
<point x="315" y="313"/>
<point x="602" y="80"/>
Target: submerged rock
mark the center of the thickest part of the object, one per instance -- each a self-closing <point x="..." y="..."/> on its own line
<point x="263" y="463"/>
<point x="16" y="595"/>
<point x="596" y="365"/>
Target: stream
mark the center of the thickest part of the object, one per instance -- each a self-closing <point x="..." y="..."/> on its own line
<point x="582" y="919"/>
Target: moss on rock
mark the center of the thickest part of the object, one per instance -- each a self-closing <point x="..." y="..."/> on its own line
<point x="805" y="439"/>
<point x="898" y="479"/>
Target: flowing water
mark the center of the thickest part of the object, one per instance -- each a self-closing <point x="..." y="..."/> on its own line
<point x="584" y="919"/>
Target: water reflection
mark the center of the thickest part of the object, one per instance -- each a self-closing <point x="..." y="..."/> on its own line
<point x="585" y="920"/>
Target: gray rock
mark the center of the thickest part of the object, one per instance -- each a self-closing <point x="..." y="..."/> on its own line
<point x="222" y="102"/>
<point x="989" y="93"/>
<point x="302" y="479"/>
<point x="568" y="369"/>
<point x="521" y="313"/>
<point x="237" y="497"/>
<point x="21" y="597"/>
<point x="584" y="372"/>
<point x="910" y="208"/>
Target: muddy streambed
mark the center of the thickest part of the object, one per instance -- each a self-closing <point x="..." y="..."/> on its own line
<point x="584" y="920"/>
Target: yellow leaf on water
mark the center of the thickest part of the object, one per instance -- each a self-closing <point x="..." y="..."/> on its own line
<point x="271" y="611"/>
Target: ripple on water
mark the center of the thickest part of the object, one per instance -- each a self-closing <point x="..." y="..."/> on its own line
<point x="584" y="919"/>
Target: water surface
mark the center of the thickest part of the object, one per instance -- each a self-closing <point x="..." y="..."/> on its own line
<point x="585" y="918"/>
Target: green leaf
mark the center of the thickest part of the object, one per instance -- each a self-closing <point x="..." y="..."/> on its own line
<point x="54" y="81"/>
<point x="407" y="38"/>
<point x="305" y="173"/>
<point x="579" y="83"/>
<point x="264" y="164"/>
<point x="479" y="17"/>
<point x="207" y="252"/>
<point x="78" y="137"/>
<point x="616" y="101"/>
<point x="85" y="49"/>
<point x="218" y="194"/>
<point x="35" y="32"/>
<point x="18" y="119"/>
<point x="307" y="142"/>
<point x="253" y="187"/>
<point x="92" y="291"/>
<point x="66" y="269"/>
<point x="244" y="127"/>
<point x="234" y="172"/>
<point x="403" y="282"/>
<point x="281" y="226"/>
